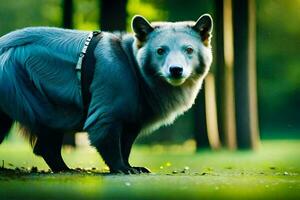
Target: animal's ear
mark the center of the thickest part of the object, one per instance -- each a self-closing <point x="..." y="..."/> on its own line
<point x="204" y="26"/>
<point x="141" y="27"/>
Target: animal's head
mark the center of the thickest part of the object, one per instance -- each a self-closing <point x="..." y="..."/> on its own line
<point x="173" y="52"/>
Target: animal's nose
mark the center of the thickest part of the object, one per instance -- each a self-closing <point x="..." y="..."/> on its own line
<point x="176" y="71"/>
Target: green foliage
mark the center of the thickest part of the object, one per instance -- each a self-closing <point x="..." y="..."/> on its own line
<point x="19" y="14"/>
<point x="278" y="63"/>
<point x="151" y="11"/>
<point x="86" y="14"/>
<point x="182" y="10"/>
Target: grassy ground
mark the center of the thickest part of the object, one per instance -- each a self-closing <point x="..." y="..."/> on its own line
<point x="272" y="172"/>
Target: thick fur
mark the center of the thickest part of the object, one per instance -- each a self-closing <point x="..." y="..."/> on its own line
<point x="39" y="87"/>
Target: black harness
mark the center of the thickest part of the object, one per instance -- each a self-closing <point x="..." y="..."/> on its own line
<point x="85" y="69"/>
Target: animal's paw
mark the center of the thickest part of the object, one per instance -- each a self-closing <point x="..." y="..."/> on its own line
<point x="63" y="169"/>
<point x="142" y="170"/>
<point x="124" y="170"/>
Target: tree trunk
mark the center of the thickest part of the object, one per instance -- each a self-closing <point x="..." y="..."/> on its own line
<point x="113" y="15"/>
<point x="245" y="73"/>
<point x="211" y="112"/>
<point x="68" y="13"/>
<point x="201" y="134"/>
<point x="220" y="69"/>
<point x="69" y="139"/>
<point x="224" y="73"/>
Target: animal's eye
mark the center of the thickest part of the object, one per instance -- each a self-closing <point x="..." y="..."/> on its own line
<point x="160" y="51"/>
<point x="189" y="50"/>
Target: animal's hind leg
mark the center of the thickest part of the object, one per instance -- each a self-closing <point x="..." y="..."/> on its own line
<point x="49" y="147"/>
<point x="5" y="125"/>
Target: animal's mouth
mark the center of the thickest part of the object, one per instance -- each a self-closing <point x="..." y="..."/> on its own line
<point x="176" y="81"/>
<point x="171" y="79"/>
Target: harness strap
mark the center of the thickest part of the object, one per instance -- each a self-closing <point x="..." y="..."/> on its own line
<point x="86" y="67"/>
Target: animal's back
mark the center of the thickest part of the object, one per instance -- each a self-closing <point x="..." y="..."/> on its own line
<point x="37" y="76"/>
<point x="39" y="35"/>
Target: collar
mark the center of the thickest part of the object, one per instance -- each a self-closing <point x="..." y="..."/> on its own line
<point x="85" y="68"/>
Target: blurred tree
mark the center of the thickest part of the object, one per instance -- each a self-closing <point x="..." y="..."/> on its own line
<point x="245" y="73"/>
<point x="224" y="72"/>
<point x="113" y="15"/>
<point x="207" y="133"/>
<point x="220" y="67"/>
<point x="200" y="123"/>
<point x="68" y="8"/>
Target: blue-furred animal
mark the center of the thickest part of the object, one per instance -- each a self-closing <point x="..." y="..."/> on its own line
<point x="141" y="81"/>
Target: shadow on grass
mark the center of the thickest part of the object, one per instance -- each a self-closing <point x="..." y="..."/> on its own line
<point x="18" y="172"/>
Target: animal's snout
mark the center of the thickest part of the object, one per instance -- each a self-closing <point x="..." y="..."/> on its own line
<point x="176" y="71"/>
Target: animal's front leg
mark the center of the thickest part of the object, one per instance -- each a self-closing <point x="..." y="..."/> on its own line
<point x="109" y="146"/>
<point x="127" y="139"/>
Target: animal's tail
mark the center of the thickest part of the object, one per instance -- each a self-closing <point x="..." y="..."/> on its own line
<point x="5" y="125"/>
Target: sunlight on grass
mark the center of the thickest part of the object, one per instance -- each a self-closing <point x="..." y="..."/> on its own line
<point x="271" y="172"/>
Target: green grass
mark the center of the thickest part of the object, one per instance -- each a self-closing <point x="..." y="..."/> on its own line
<point x="272" y="172"/>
